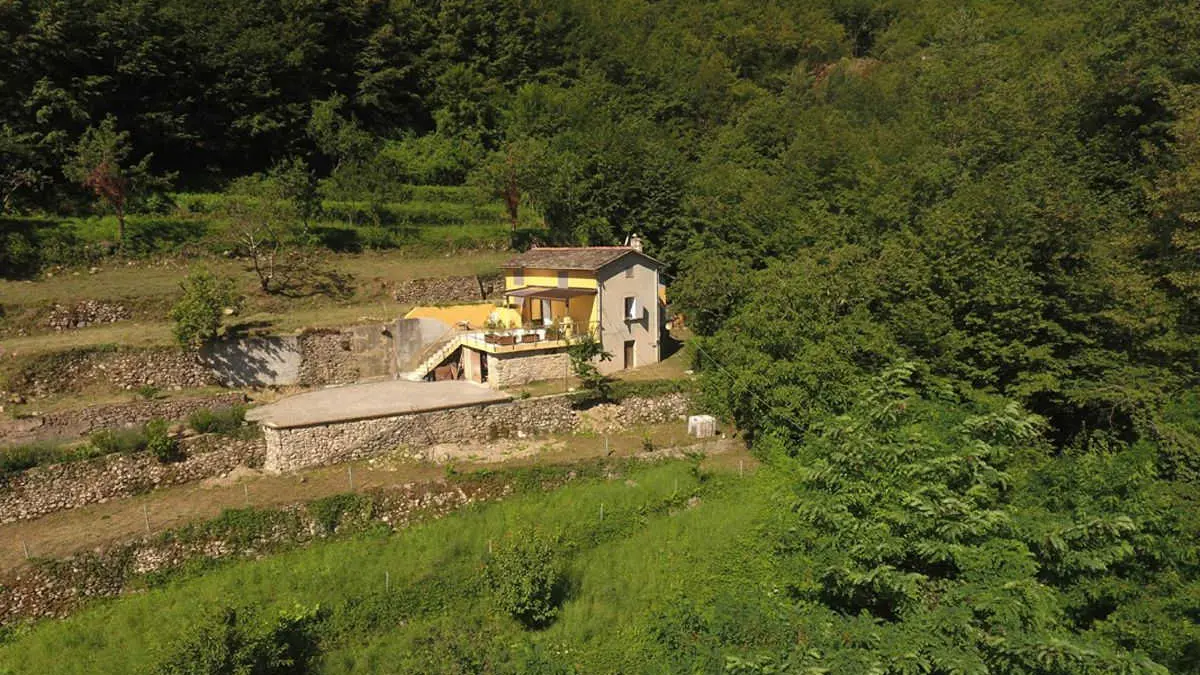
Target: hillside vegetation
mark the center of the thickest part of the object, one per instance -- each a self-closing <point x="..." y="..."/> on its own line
<point x="942" y="262"/>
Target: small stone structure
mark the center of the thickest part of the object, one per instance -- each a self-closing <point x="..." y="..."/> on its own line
<point x="289" y="449"/>
<point x="42" y="490"/>
<point x="518" y="368"/>
<point x="309" y="443"/>
<point x="82" y="421"/>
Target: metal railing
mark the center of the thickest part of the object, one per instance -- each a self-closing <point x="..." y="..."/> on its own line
<point x="530" y="334"/>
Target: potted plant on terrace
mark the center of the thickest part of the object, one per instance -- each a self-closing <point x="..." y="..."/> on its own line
<point x="492" y="326"/>
<point x="507" y="338"/>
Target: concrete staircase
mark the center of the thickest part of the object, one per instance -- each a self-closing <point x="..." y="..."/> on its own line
<point x="433" y="356"/>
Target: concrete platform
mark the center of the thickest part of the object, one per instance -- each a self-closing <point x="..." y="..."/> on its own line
<point x="371" y="400"/>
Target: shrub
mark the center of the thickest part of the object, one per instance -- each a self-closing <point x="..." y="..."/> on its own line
<point x="583" y="354"/>
<point x="148" y="392"/>
<point x="225" y="421"/>
<point x="160" y="443"/>
<point x="329" y="512"/>
<point x="527" y="579"/>
<point x="108" y="441"/>
<point x="197" y="317"/>
<point x="20" y="457"/>
<point x="240" y="641"/>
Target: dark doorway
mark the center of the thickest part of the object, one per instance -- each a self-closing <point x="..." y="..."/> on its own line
<point x="629" y="354"/>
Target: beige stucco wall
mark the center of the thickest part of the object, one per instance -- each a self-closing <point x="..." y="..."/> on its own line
<point x="614" y="329"/>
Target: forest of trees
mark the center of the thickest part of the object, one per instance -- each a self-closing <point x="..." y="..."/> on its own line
<point x="1002" y="197"/>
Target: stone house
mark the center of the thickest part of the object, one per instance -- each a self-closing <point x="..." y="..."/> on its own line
<point x="552" y="298"/>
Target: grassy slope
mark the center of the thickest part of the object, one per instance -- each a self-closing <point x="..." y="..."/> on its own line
<point x="630" y="568"/>
<point x="440" y="231"/>
<point x="155" y="288"/>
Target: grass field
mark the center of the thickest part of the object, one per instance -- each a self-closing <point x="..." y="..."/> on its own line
<point x="634" y="547"/>
<point x="149" y="291"/>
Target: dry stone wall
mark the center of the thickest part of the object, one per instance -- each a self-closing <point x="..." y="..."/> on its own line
<point x="82" y="421"/>
<point x="75" y="371"/>
<point x="59" y="587"/>
<point x="297" y="448"/>
<point x="512" y="370"/>
<point x="613" y="417"/>
<point x="85" y="313"/>
<point x="447" y="289"/>
<point x="326" y="358"/>
<point x="43" y="490"/>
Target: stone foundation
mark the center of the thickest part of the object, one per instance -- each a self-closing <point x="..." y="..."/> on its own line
<point x="518" y="368"/>
<point x="43" y="490"/>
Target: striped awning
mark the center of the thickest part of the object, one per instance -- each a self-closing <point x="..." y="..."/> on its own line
<point x="549" y="292"/>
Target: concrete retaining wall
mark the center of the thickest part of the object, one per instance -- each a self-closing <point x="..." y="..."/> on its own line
<point x="258" y="361"/>
<point x="322" y="357"/>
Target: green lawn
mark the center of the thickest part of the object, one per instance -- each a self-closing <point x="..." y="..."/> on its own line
<point x="643" y="553"/>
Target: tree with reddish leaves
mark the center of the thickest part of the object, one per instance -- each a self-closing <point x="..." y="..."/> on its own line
<point x="100" y="164"/>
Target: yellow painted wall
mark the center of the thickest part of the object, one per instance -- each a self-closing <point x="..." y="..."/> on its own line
<point x="534" y="277"/>
<point x="476" y="315"/>
<point x="585" y="310"/>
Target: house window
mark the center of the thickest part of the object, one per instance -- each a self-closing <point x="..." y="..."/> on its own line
<point x="519" y="278"/>
<point x="632" y="311"/>
<point x="562" y="279"/>
<point x="629" y="272"/>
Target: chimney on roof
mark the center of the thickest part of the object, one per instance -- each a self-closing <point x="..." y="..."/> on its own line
<point x="634" y="242"/>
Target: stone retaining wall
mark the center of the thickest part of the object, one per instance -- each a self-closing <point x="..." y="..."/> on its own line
<point x="43" y="490"/>
<point x="614" y="417"/>
<point x="76" y="370"/>
<point x="326" y="358"/>
<point x="57" y="588"/>
<point x="319" y="445"/>
<point x="448" y="289"/>
<point x="82" y="421"/>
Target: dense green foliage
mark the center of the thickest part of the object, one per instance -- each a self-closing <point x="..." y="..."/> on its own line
<point x="526" y="576"/>
<point x="226" y="421"/>
<point x="942" y="259"/>
<point x="234" y="642"/>
<point x="920" y="534"/>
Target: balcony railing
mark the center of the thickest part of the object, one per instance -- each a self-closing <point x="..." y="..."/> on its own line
<point x="500" y="339"/>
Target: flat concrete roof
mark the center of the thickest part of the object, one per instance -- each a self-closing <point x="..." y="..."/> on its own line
<point x="371" y="400"/>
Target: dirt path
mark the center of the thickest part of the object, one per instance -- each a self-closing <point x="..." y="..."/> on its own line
<point x="99" y="525"/>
